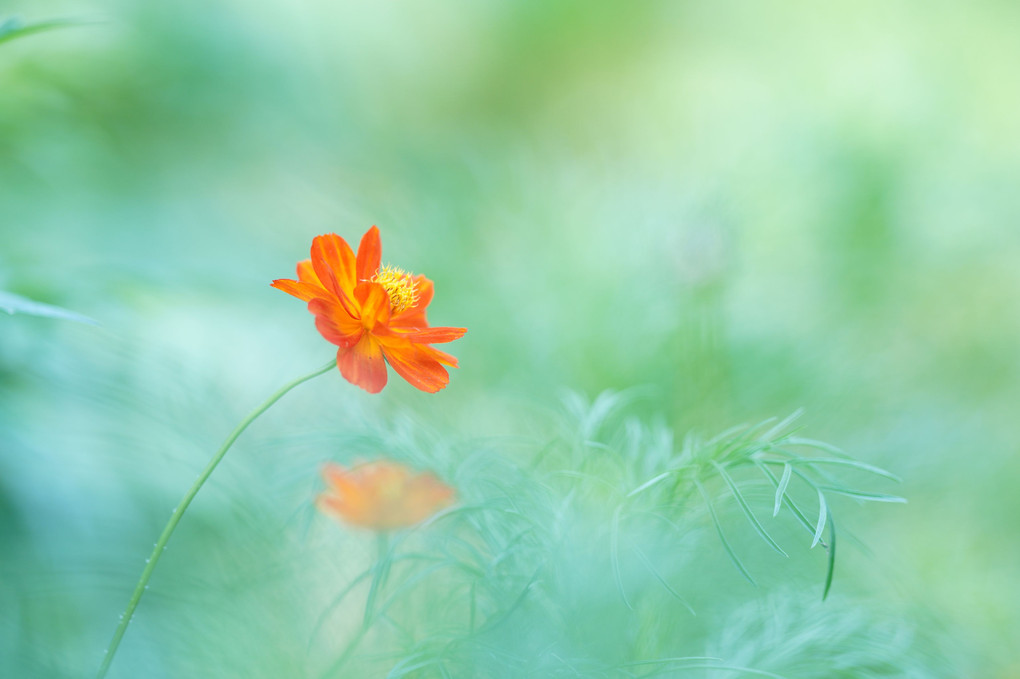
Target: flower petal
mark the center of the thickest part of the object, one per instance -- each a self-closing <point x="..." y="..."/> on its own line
<point x="425" y="495"/>
<point x="334" y="323"/>
<point x="434" y="335"/>
<point x="414" y="317"/>
<point x="363" y="364"/>
<point x="338" y="477"/>
<point x="334" y="263"/>
<point x="343" y="483"/>
<point x="352" y="511"/>
<point x="369" y="255"/>
<point x="374" y="303"/>
<point x="441" y="356"/>
<point x="306" y="273"/>
<point x="411" y="361"/>
<point x="382" y="495"/>
<point x="301" y="290"/>
<point x="346" y="496"/>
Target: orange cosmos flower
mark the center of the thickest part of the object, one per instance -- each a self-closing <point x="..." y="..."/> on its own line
<point x="372" y="314"/>
<point x="382" y="495"/>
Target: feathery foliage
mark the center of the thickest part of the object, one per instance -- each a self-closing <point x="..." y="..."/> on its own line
<point x="587" y="554"/>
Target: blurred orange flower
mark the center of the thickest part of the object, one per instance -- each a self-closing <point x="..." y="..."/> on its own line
<point x="382" y="495"/>
<point x="372" y="314"/>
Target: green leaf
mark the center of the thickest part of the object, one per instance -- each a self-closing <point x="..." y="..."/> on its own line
<point x="15" y="28"/>
<point x="801" y="517"/>
<point x="16" y="304"/>
<point x="831" y="546"/>
<point x="818" y="445"/>
<point x="781" y="488"/>
<point x="722" y="536"/>
<point x="823" y="510"/>
<point x="747" y="510"/>
<point x="651" y="569"/>
<point x="651" y="482"/>
<point x="832" y="555"/>
<point x="781" y="426"/>
<point x="861" y="495"/>
<point x="846" y="463"/>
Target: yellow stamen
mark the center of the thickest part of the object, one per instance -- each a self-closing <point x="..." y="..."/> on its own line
<point x="399" y="285"/>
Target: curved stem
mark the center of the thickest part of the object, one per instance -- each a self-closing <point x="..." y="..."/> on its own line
<point x="175" y="517"/>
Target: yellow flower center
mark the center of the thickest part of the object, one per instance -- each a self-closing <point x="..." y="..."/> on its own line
<point x="399" y="285"/>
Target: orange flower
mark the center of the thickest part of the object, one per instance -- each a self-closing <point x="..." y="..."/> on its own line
<point x="382" y="495"/>
<point x="372" y="313"/>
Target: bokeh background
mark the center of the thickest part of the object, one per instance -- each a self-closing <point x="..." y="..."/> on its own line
<point x="736" y="209"/>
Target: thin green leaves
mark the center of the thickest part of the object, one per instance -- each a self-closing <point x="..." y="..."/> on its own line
<point x="823" y="511"/>
<point x="651" y="569"/>
<point x="824" y="516"/>
<point x="862" y="495"/>
<point x="781" y="426"/>
<point x="722" y="536"/>
<point x="781" y="488"/>
<point x="863" y="466"/>
<point x="818" y="445"/>
<point x="16" y="28"/>
<point x="657" y="479"/>
<point x="832" y="556"/>
<point x="801" y="517"/>
<point x="746" y="509"/>
<point x="16" y="304"/>
<point x="614" y="554"/>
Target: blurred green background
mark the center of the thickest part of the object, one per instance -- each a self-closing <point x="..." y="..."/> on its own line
<point x="742" y="208"/>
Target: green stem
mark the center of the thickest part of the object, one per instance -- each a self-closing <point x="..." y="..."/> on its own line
<point x="175" y="517"/>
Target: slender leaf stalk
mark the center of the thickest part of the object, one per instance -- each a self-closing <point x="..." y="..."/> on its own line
<point x="175" y="517"/>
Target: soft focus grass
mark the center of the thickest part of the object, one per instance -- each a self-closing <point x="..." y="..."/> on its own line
<point x="741" y="210"/>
